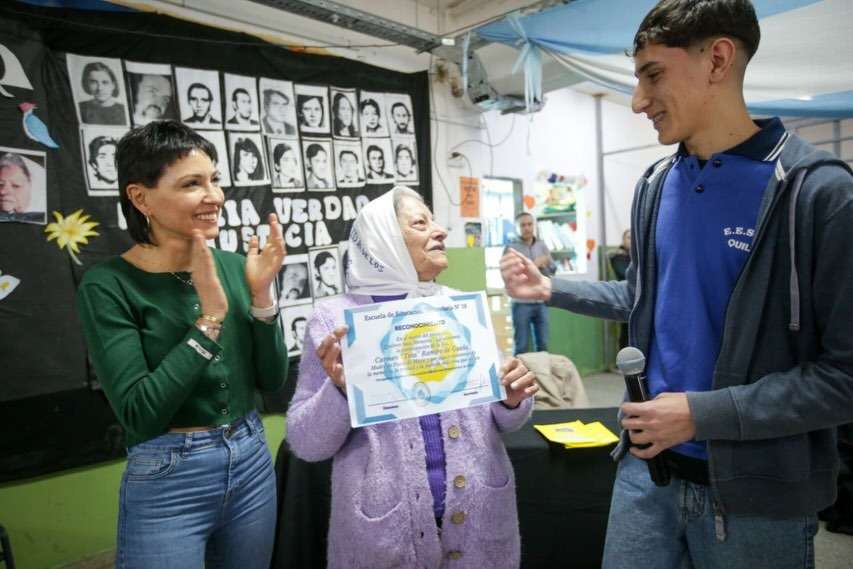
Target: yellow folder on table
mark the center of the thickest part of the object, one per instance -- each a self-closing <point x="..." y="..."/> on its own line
<point x="578" y="435"/>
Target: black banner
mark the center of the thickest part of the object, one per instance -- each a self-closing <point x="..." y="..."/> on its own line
<point x="296" y="133"/>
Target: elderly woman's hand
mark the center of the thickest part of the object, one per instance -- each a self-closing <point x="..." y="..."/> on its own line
<point x="329" y="352"/>
<point x="520" y="383"/>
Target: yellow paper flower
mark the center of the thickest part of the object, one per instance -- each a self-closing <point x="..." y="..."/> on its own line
<point x="70" y="232"/>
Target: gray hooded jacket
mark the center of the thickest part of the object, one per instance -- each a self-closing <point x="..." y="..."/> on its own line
<point x="784" y="376"/>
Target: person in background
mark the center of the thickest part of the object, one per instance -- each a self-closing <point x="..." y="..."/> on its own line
<point x="527" y="314"/>
<point x="435" y="491"/>
<point x="180" y="336"/>
<point x="739" y="293"/>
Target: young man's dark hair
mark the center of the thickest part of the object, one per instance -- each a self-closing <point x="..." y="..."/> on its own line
<point x="143" y="154"/>
<point x="684" y="23"/>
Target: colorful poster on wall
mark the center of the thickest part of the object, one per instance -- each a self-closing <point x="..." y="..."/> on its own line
<point x="469" y="197"/>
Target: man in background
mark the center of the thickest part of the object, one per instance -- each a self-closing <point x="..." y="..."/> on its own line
<point x="527" y="314"/>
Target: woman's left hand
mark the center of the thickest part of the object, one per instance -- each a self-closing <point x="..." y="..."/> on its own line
<point x="262" y="266"/>
<point x="520" y="383"/>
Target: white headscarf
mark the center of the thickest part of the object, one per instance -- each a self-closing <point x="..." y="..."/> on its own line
<point x="379" y="262"/>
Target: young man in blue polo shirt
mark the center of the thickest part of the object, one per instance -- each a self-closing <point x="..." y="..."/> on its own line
<point x="739" y="293"/>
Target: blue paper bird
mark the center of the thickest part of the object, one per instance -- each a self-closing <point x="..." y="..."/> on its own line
<point x="34" y="127"/>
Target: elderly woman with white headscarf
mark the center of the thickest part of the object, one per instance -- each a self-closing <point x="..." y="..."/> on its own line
<point x="437" y="491"/>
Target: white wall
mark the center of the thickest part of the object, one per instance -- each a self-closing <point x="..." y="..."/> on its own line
<point x="560" y="138"/>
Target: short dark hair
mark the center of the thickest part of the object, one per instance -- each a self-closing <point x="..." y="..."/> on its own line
<point x="369" y="103"/>
<point x="684" y="23"/>
<point x="295" y="321"/>
<point x="399" y="104"/>
<point x="523" y="214"/>
<point x="354" y="155"/>
<point x="95" y="146"/>
<point x="98" y="66"/>
<point x="279" y="151"/>
<point x="237" y="91"/>
<point x="373" y="147"/>
<point x="143" y="154"/>
<point x="321" y="258"/>
<point x="314" y="149"/>
<point x="200" y="86"/>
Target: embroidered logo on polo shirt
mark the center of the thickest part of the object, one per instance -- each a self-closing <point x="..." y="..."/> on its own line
<point x="192" y="343"/>
<point x="739" y="238"/>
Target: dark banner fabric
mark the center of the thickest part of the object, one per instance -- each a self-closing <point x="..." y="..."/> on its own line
<point x="311" y="138"/>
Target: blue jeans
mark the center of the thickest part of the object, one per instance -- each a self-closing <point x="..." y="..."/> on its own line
<point x="680" y="527"/>
<point x="204" y="499"/>
<point x="523" y="316"/>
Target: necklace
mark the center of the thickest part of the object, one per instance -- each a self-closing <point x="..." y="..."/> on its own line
<point x="188" y="282"/>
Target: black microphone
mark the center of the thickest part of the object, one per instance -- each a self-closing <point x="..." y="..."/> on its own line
<point x="631" y="362"/>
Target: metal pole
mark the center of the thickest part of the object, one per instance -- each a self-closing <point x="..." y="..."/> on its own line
<point x="602" y="222"/>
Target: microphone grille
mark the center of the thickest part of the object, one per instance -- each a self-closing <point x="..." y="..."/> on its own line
<point x="630" y="361"/>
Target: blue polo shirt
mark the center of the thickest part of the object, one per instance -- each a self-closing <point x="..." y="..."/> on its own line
<point x="706" y="224"/>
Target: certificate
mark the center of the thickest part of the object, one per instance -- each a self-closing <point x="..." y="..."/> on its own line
<point x="419" y="356"/>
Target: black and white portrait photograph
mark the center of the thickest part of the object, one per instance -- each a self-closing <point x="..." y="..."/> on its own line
<point x="23" y="186"/>
<point x="199" y="98"/>
<point x="278" y="108"/>
<point x="317" y="157"/>
<point x="378" y="160"/>
<point x="344" y="113"/>
<point x="293" y="282"/>
<point x="312" y="109"/>
<point x="285" y="165"/>
<point x="152" y="92"/>
<point x="97" y="85"/>
<point x="241" y="103"/>
<point x="248" y="161"/>
<point x="399" y="110"/>
<point x="325" y="271"/>
<point x="371" y="112"/>
<point x="99" y="158"/>
<point x="217" y="138"/>
<point x="343" y="255"/>
<point x="349" y="168"/>
<point x="294" y="323"/>
<point x="405" y="159"/>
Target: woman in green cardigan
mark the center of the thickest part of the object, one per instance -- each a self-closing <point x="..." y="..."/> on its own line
<point x="180" y="336"/>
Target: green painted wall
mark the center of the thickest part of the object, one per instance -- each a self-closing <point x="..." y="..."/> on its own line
<point x="54" y="520"/>
<point x="579" y="338"/>
<point x="466" y="269"/>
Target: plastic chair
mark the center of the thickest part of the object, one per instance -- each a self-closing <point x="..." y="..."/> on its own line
<point x="6" y="549"/>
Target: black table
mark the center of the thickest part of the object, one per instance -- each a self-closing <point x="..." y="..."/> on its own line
<point x="563" y="499"/>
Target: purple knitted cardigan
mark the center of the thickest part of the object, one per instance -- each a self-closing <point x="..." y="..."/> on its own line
<point x="382" y="511"/>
